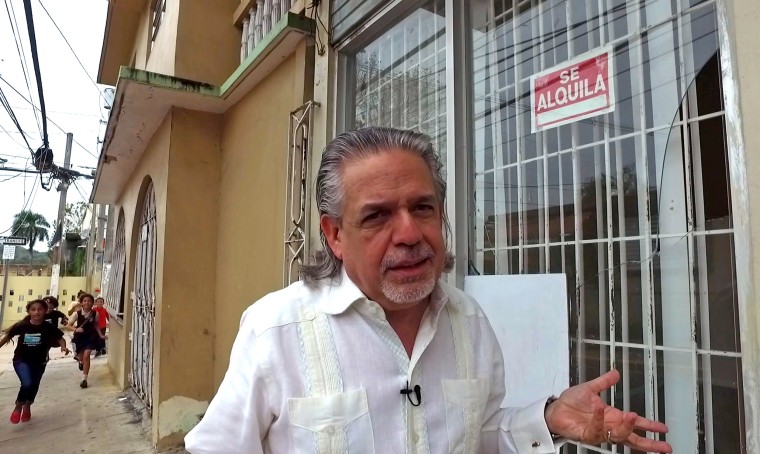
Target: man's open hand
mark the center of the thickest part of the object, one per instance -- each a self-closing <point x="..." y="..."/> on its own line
<point x="580" y="415"/>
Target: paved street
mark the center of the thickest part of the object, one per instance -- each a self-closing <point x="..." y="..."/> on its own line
<point x="67" y="419"/>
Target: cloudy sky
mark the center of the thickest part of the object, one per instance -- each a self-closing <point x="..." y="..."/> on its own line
<point x="72" y="100"/>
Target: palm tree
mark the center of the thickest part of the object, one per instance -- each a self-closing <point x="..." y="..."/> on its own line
<point x="32" y="226"/>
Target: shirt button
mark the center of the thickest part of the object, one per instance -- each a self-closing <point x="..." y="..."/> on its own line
<point x="415" y="438"/>
<point x="330" y="430"/>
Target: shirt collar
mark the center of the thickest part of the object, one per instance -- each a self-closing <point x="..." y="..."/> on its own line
<point x="342" y="294"/>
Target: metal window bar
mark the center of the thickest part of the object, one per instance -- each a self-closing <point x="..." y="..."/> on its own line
<point x="615" y="270"/>
<point x="144" y="302"/>
<point x="159" y="9"/>
<point x="114" y="294"/>
<point x="297" y="191"/>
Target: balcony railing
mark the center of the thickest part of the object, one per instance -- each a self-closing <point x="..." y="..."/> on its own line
<point x="261" y="17"/>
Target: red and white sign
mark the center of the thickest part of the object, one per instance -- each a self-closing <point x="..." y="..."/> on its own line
<point x="579" y="88"/>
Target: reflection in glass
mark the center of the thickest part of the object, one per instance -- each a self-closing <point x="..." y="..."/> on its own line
<point x="399" y="79"/>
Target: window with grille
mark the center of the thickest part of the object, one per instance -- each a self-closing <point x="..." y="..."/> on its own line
<point x="114" y="292"/>
<point x="633" y="206"/>
<point x="399" y="79"/>
<point x="157" y="16"/>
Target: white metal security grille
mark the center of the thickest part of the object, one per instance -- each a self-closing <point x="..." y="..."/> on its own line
<point x="115" y="291"/>
<point x="144" y="302"/>
<point x="633" y="206"/>
<point x="297" y="191"/>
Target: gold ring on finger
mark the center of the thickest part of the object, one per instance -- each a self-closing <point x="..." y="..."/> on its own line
<point x="609" y="437"/>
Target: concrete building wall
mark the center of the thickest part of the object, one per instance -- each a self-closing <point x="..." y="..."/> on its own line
<point x="252" y="200"/>
<point x="140" y="46"/>
<point x="153" y="166"/>
<point x="184" y="324"/>
<point x="29" y="288"/>
<point x="160" y="57"/>
<point x="208" y="44"/>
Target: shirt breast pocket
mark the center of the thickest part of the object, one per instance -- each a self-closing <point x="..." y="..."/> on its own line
<point x="465" y="403"/>
<point x="332" y="424"/>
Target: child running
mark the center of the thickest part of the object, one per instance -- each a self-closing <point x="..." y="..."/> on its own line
<point x="87" y="335"/>
<point x="35" y="337"/>
<point x="54" y="316"/>
<point x="103" y="318"/>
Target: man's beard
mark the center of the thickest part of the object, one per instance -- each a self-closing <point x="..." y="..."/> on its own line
<point x="410" y="290"/>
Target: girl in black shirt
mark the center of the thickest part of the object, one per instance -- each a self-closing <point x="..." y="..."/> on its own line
<point x="53" y="316"/>
<point x="35" y="337"/>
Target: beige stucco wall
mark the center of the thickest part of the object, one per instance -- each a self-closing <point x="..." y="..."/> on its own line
<point x="153" y="165"/>
<point x="185" y="325"/>
<point x="182" y="160"/>
<point x="196" y="41"/>
<point x="251" y="213"/>
<point x="15" y="306"/>
<point x="208" y="44"/>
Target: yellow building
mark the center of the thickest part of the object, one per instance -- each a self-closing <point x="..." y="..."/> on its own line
<point x="641" y="192"/>
<point x="194" y="165"/>
<point x="22" y="289"/>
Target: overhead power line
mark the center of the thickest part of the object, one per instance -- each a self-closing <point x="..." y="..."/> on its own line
<point x="48" y="118"/>
<point x="36" y="63"/>
<point x="4" y="102"/>
<point x="28" y="202"/>
<point x="72" y="50"/>
<point x="21" y="54"/>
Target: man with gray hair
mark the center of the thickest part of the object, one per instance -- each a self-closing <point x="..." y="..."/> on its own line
<point x="371" y="352"/>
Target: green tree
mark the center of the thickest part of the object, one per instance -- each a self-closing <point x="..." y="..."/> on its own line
<point x="74" y="217"/>
<point x="32" y="226"/>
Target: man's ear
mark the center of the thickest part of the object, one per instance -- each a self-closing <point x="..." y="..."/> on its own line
<point x="331" y="228"/>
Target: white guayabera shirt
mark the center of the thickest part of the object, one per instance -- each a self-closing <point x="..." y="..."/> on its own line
<point x="321" y="370"/>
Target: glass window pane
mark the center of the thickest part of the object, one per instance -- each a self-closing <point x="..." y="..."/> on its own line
<point x="632" y="204"/>
<point x="400" y="78"/>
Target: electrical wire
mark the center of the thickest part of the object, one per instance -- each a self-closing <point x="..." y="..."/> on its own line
<point x="76" y="186"/>
<point x="8" y="133"/>
<point x="10" y="178"/>
<point x="71" y="49"/>
<point x="28" y="202"/>
<point x="4" y="102"/>
<point x="36" y="64"/>
<point x="48" y="118"/>
<point x="21" y="55"/>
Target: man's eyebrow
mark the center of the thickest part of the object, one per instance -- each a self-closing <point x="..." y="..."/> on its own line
<point x="427" y="198"/>
<point x="372" y="206"/>
<point x="379" y="205"/>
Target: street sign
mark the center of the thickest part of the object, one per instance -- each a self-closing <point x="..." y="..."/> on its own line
<point x="577" y="89"/>
<point x="16" y="240"/>
<point x="9" y="252"/>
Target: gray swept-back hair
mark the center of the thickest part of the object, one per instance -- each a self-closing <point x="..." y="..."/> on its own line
<point x="355" y="145"/>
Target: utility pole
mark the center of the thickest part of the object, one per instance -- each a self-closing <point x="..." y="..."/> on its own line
<point x="61" y="214"/>
<point x="92" y="241"/>
<point x="5" y="241"/>
<point x="3" y="303"/>
<point x="100" y="247"/>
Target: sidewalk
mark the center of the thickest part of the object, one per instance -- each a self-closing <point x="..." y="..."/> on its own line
<point x="67" y="419"/>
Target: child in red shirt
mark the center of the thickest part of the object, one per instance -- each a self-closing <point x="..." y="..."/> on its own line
<point x="103" y="318"/>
